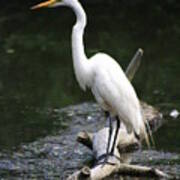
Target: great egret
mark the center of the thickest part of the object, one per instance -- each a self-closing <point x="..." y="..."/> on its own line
<point x="106" y="79"/>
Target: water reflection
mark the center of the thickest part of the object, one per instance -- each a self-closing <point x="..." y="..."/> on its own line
<point x="36" y="68"/>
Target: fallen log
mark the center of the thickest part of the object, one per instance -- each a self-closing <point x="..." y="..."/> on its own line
<point x="101" y="172"/>
<point x="126" y="145"/>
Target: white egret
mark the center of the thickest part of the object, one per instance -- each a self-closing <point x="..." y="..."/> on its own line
<point x="106" y="79"/>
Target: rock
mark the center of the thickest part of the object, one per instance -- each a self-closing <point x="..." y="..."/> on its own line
<point x="174" y="113"/>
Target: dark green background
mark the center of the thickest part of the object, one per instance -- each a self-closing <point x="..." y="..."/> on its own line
<point x="36" y="73"/>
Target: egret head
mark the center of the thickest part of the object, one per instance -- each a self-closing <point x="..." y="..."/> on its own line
<point x="53" y="3"/>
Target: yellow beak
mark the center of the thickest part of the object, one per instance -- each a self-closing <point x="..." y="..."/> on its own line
<point x="43" y="4"/>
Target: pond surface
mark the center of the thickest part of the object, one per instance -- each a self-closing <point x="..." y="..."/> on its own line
<point x="36" y="73"/>
<point x="59" y="155"/>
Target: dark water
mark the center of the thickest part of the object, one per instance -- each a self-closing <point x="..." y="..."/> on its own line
<point x="36" y="73"/>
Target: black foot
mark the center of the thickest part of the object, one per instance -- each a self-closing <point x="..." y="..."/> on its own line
<point x="106" y="162"/>
<point x="105" y="158"/>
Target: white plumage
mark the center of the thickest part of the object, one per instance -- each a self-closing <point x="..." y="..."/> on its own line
<point x="114" y="92"/>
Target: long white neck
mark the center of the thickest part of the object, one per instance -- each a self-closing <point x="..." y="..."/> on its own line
<point x="80" y="61"/>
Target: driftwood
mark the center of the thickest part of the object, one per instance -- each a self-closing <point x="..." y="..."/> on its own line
<point x="127" y="144"/>
<point x="100" y="172"/>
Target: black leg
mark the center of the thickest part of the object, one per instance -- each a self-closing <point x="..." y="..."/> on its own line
<point x="115" y="136"/>
<point x="108" y="117"/>
<point x="110" y="134"/>
<point x="110" y="131"/>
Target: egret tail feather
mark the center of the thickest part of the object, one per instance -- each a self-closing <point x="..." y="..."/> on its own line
<point x="150" y="134"/>
<point x="146" y="136"/>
